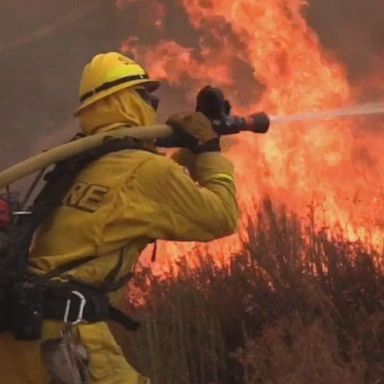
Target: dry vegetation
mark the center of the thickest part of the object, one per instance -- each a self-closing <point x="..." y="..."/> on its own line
<point x="296" y="307"/>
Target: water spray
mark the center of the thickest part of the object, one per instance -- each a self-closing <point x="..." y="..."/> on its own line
<point x="213" y="104"/>
<point x="359" y="110"/>
<point x="260" y="122"/>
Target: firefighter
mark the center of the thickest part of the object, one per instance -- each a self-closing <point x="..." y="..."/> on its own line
<point x="115" y="208"/>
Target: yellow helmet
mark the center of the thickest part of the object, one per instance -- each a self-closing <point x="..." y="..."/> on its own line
<point x="108" y="73"/>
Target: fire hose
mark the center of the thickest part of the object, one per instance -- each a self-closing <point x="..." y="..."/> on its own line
<point x="210" y="101"/>
<point x="257" y="123"/>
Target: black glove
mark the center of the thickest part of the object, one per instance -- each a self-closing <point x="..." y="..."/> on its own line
<point x="211" y="102"/>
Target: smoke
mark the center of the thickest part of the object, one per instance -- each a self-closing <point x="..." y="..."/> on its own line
<point x="43" y="47"/>
<point x="354" y="31"/>
<point x="45" y="30"/>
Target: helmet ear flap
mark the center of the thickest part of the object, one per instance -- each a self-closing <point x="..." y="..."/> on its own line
<point x="212" y="103"/>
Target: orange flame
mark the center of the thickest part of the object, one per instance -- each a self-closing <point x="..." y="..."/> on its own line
<point x="265" y="57"/>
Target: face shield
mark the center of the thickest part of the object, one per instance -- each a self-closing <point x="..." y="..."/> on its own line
<point x="151" y="99"/>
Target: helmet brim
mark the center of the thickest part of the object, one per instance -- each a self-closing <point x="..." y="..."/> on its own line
<point x="150" y="86"/>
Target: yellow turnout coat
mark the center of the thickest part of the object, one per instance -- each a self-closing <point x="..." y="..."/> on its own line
<point x="120" y="203"/>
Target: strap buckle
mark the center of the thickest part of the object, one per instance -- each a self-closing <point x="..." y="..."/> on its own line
<point x="80" y="313"/>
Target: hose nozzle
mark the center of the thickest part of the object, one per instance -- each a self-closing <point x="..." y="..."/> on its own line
<point x="257" y="123"/>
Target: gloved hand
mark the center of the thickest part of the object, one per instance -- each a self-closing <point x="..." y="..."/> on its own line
<point x="193" y="131"/>
<point x="213" y="104"/>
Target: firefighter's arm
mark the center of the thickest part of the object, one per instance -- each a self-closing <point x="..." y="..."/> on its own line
<point x="185" y="158"/>
<point x="189" y="210"/>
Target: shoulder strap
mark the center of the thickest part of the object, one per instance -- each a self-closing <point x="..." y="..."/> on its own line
<point x="58" y="182"/>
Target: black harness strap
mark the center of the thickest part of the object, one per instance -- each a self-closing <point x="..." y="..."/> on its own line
<point x="110" y="282"/>
<point x="121" y="318"/>
<point x="59" y="181"/>
<point x="112" y="274"/>
<point x="67" y="267"/>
